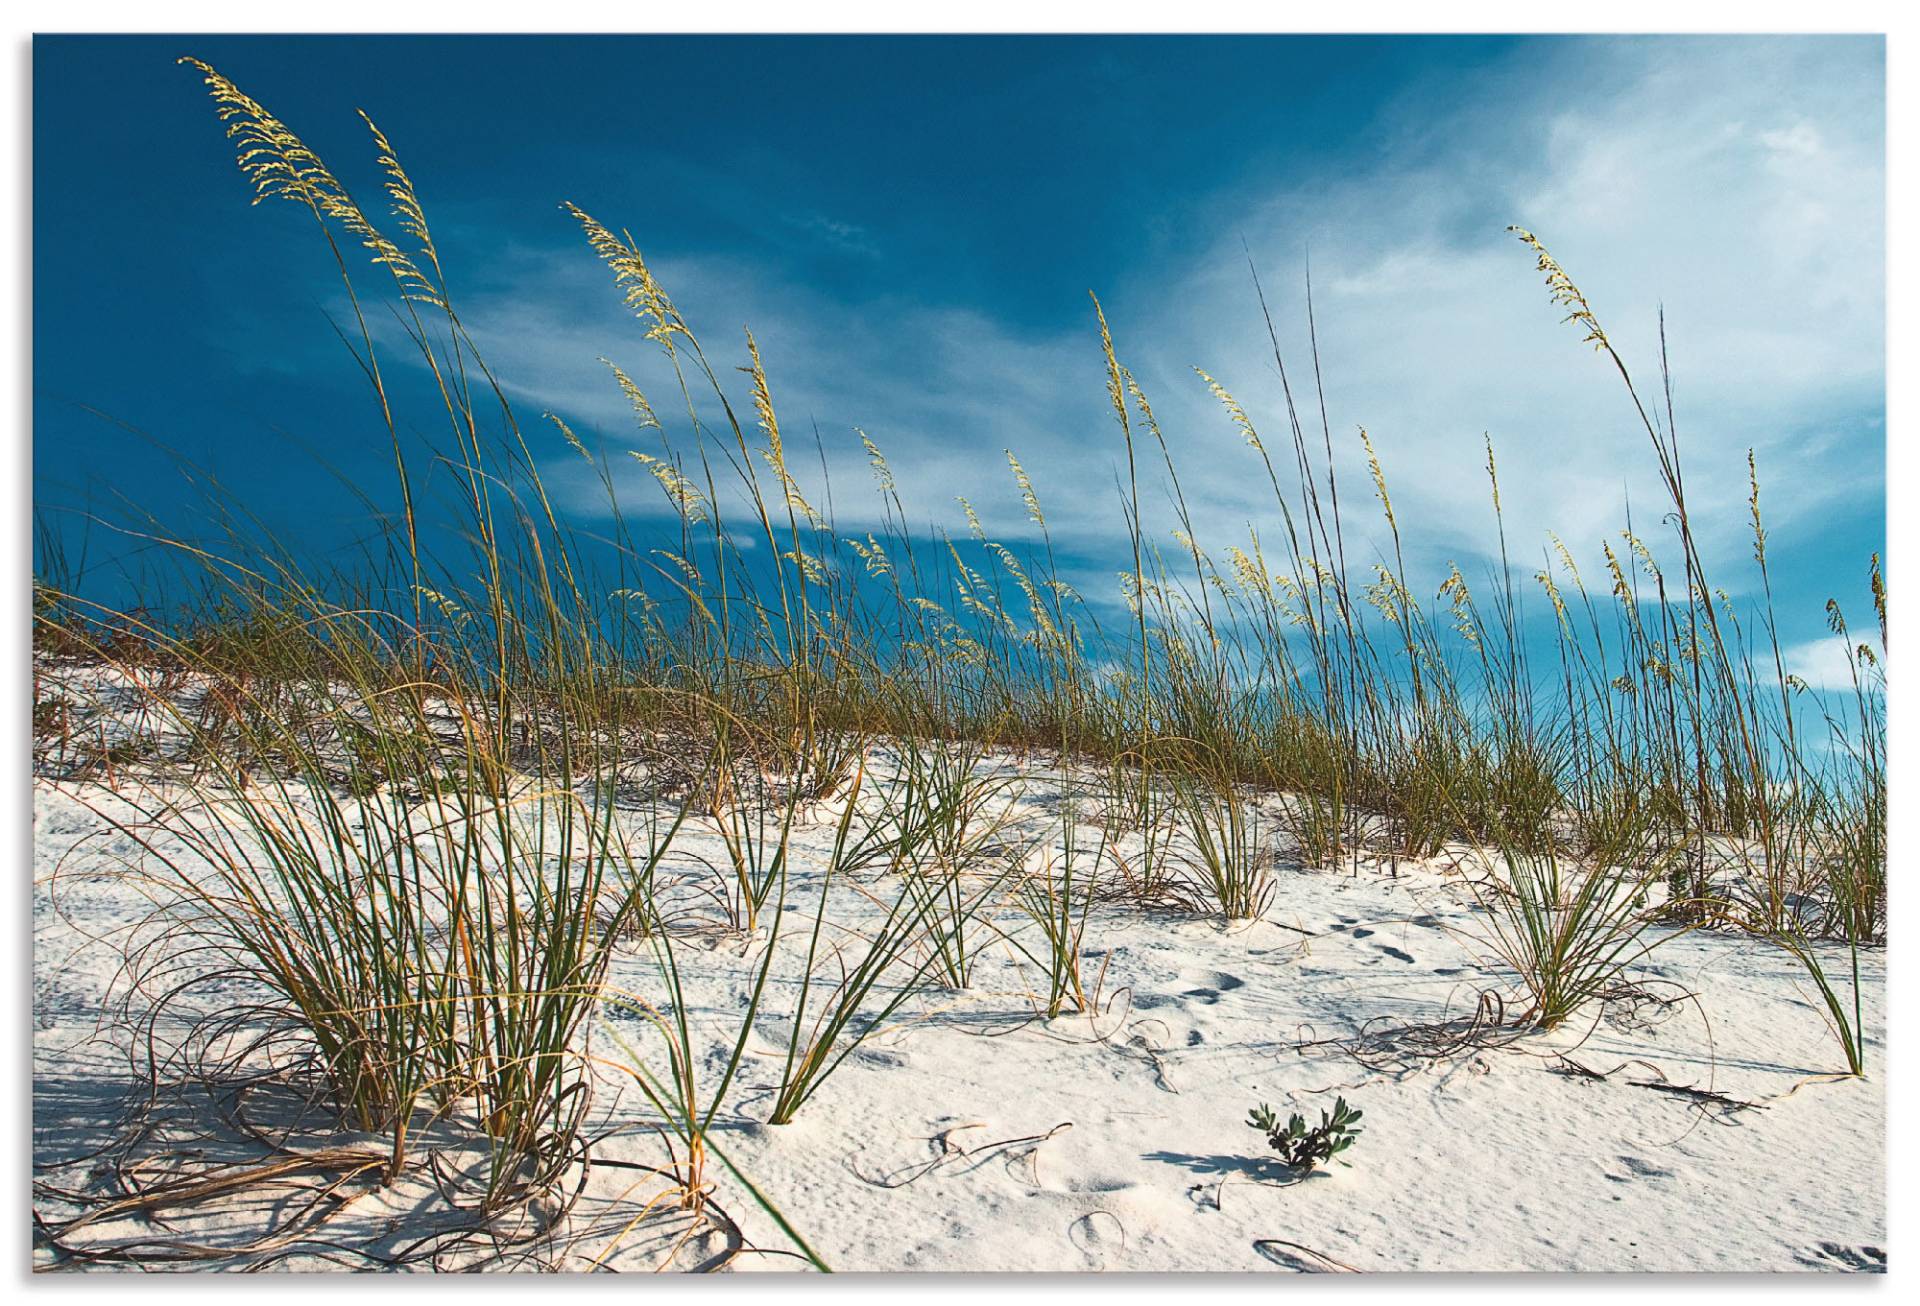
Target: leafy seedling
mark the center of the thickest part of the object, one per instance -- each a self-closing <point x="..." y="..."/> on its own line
<point x="1305" y="1148"/>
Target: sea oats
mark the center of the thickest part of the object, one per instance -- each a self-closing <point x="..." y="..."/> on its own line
<point x="1234" y="411"/>
<point x="642" y="410"/>
<point x="642" y="293"/>
<point x="882" y="474"/>
<point x="279" y="165"/>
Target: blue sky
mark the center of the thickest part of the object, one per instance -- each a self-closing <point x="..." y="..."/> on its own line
<point x="910" y="226"/>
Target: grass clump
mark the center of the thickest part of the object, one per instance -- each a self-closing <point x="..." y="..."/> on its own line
<point x="1057" y="897"/>
<point x="1570" y="927"/>
<point x="1222" y="858"/>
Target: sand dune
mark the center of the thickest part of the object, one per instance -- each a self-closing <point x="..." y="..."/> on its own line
<point x="1688" y="1127"/>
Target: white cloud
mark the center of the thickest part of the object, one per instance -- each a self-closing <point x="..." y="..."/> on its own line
<point x="1738" y="183"/>
<point x="1821" y="663"/>
<point x="1668" y="189"/>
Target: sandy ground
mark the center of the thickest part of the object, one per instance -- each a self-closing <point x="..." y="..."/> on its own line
<point x="973" y="1135"/>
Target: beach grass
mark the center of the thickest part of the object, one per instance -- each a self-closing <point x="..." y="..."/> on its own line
<point x="388" y="795"/>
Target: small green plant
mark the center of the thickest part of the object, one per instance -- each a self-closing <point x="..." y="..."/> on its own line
<point x="1305" y="1148"/>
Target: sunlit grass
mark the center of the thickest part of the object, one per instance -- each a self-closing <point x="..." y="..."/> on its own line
<point x="391" y="797"/>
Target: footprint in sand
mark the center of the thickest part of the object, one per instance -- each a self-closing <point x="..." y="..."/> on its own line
<point x="1865" y="1259"/>
<point x="1639" y="1169"/>
<point x="1210" y="984"/>
<point x="1394" y="952"/>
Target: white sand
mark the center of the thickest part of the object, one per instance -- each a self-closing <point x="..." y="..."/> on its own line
<point x="1493" y="1158"/>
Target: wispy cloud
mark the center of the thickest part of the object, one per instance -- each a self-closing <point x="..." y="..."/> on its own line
<point x="1739" y="186"/>
<point x="847" y="237"/>
<point x="1822" y="663"/>
<point x="1736" y="184"/>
